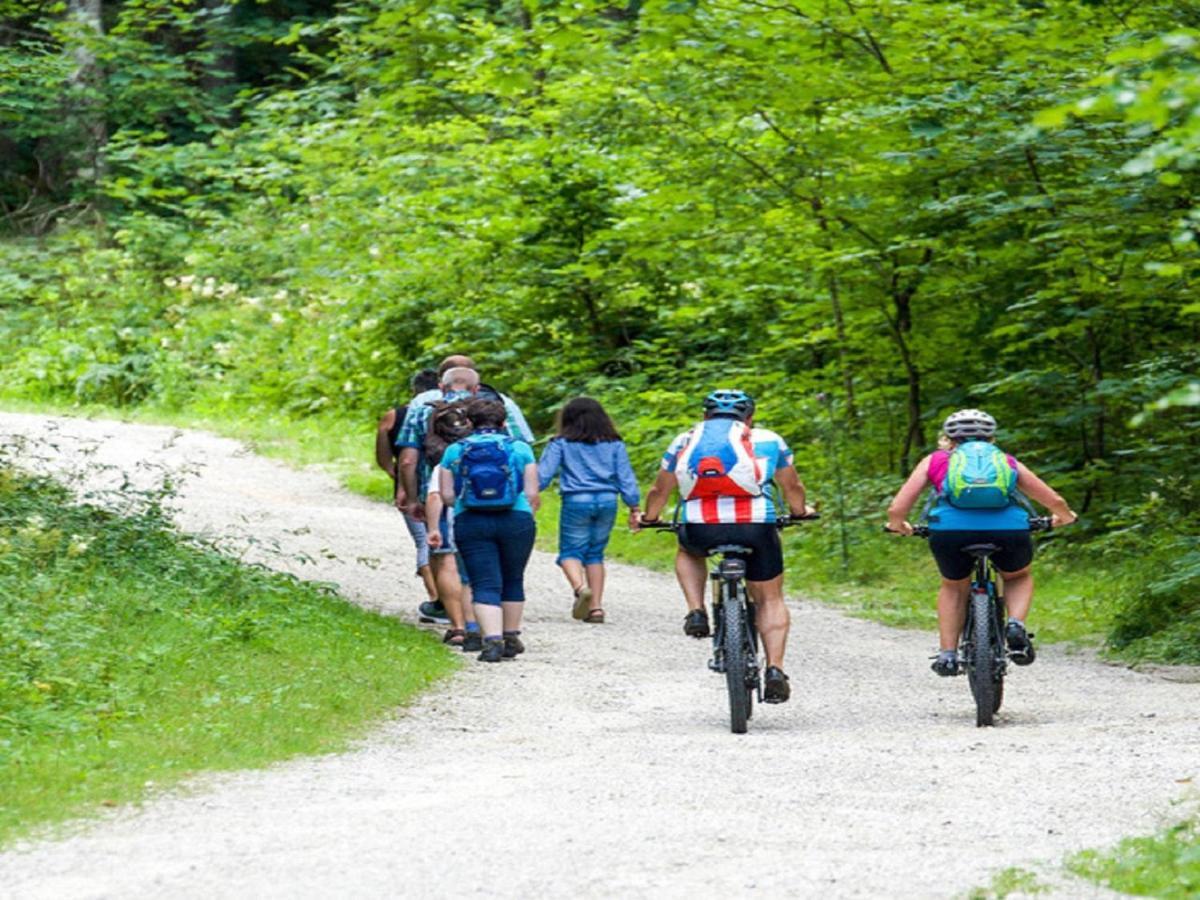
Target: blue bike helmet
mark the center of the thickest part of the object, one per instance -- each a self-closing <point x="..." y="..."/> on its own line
<point x="725" y="402"/>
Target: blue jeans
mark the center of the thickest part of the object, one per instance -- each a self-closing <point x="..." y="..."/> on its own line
<point x="495" y="547"/>
<point x="584" y="527"/>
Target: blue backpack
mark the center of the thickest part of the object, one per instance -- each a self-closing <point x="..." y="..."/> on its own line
<point x="486" y="472"/>
<point x="979" y="477"/>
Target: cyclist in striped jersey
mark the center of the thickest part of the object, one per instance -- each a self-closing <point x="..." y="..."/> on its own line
<point x="724" y="468"/>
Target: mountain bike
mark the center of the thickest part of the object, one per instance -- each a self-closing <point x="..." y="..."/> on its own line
<point x="735" y="636"/>
<point x="981" y="646"/>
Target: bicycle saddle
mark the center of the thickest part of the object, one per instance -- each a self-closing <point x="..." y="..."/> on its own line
<point x="978" y="550"/>
<point x="729" y="548"/>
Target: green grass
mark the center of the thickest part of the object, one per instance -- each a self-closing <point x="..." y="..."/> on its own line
<point x="133" y="658"/>
<point x="1165" y="865"/>
<point x="1010" y="881"/>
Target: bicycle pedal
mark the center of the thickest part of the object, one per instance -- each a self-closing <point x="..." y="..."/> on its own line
<point x="716" y="666"/>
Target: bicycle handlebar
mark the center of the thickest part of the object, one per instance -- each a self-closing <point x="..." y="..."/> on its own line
<point x="1036" y="523"/>
<point x="781" y="522"/>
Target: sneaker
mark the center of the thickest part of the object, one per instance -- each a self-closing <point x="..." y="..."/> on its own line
<point x="775" y="687"/>
<point x="1020" y="643"/>
<point x="946" y="663"/>
<point x="472" y="642"/>
<point x="512" y="646"/>
<point x="695" y="624"/>
<point x="432" y="612"/>
<point x="493" y="651"/>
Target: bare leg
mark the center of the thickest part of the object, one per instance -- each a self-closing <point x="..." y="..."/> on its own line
<point x="573" y="570"/>
<point x="426" y="574"/>
<point x="692" y="575"/>
<point x="491" y="619"/>
<point x="467" y="605"/>
<point x="449" y="587"/>
<point x="595" y="580"/>
<point x="772" y="617"/>
<point x="1018" y="592"/>
<point x="513" y="613"/>
<point x="952" y="611"/>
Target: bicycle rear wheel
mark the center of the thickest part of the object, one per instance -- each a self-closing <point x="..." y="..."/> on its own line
<point x="737" y="660"/>
<point x="981" y="659"/>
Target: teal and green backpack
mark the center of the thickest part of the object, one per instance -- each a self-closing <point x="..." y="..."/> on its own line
<point x="979" y="477"/>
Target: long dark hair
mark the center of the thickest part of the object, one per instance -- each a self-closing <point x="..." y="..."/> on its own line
<point x="584" y="420"/>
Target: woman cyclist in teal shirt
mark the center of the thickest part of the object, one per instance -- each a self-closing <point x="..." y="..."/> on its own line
<point x="952" y="528"/>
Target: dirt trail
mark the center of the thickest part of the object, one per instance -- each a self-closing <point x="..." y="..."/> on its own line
<point x="600" y="763"/>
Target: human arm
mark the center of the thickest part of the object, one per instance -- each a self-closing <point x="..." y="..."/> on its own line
<point x="410" y="458"/>
<point x="907" y="497"/>
<point x="627" y="480"/>
<point x="531" y="486"/>
<point x="657" y="497"/>
<point x="441" y="494"/>
<point x="1040" y="492"/>
<point x="516" y="424"/>
<point x="384" y="452"/>
<point x="549" y="464"/>
<point x="792" y="487"/>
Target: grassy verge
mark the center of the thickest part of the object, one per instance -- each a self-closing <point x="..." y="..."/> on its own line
<point x="132" y="658"/>
<point x="1165" y="865"/>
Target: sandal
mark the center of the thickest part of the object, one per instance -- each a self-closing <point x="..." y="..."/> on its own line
<point x="583" y="599"/>
<point x="454" y="637"/>
<point x="595" y="617"/>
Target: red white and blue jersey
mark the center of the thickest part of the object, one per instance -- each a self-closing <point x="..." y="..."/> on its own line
<point x="724" y="470"/>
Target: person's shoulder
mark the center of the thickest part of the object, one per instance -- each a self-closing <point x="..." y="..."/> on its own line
<point x="766" y="436"/>
<point x="685" y="434"/>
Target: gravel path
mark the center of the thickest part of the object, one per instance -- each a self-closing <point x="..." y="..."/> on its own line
<point x="600" y="763"/>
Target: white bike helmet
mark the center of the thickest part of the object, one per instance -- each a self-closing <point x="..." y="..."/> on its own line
<point x="969" y="425"/>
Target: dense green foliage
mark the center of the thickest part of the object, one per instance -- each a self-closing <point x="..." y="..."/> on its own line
<point x="868" y="214"/>
<point x="1165" y="865"/>
<point x="131" y="659"/>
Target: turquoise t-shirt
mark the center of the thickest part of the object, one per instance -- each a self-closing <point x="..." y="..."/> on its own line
<point x="522" y="455"/>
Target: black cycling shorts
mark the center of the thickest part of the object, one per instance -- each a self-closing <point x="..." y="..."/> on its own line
<point x="1015" y="553"/>
<point x="764" y="562"/>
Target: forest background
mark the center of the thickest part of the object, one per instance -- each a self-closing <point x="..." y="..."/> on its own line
<point x="268" y="214"/>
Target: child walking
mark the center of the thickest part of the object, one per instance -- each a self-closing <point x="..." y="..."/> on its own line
<point x="593" y="470"/>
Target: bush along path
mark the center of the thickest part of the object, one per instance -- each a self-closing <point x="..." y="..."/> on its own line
<point x="601" y="762"/>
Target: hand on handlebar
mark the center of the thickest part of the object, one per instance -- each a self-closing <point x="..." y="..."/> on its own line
<point x="1057" y="521"/>
<point x="903" y="527"/>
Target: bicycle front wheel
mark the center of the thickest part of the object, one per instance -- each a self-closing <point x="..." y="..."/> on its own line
<point x="737" y="659"/>
<point x="981" y="660"/>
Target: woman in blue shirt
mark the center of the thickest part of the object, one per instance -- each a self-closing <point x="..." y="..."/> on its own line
<point x="491" y="479"/>
<point x="593" y="469"/>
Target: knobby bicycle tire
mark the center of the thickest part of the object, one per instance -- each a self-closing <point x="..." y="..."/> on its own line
<point x="981" y="659"/>
<point x="736" y="659"/>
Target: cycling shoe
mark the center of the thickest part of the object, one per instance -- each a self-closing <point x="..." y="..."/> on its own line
<point x="946" y="663"/>
<point x="776" y="688"/>
<point x="695" y="624"/>
<point x="1020" y="644"/>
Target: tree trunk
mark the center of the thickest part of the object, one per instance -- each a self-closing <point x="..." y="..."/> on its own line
<point x="839" y="321"/>
<point x="87" y="102"/>
<point x="220" y="74"/>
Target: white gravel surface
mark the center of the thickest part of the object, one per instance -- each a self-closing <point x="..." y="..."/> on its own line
<point x="600" y="763"/>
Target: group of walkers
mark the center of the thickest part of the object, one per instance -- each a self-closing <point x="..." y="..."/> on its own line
<point x="460" y="456"/>
<point x="468" y="482"/>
